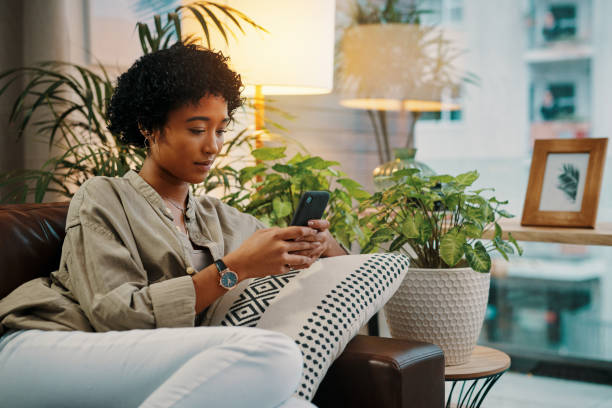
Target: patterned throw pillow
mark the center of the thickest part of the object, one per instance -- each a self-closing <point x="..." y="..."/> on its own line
<point x="322" y="308"/>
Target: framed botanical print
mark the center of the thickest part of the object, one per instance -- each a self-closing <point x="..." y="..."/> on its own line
<point x="564" y="182"/>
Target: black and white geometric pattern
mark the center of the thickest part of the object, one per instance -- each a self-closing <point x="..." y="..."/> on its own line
<point x="336" y="316"/>
<point x="255" y="299"/>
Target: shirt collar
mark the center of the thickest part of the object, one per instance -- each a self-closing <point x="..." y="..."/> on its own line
<point x="153" y="196"/>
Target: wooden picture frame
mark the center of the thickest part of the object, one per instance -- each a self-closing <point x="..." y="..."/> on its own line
<point x="564" y="182"/>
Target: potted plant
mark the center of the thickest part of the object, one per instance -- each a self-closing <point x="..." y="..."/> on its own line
<point x="270" y="190"/>
<point x="438" y="222"/>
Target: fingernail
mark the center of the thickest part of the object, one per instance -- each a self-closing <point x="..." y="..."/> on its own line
<point x="317" y="243"/>
<point x="298" y="239"/>
<point x="311" y="223"/>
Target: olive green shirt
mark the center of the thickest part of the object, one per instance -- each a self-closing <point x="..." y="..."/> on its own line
<point x="124" y="265"/>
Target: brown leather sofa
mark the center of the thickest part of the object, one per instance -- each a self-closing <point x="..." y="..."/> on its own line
<point x="372" y="372"/>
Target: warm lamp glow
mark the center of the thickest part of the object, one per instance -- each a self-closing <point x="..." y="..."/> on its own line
<point x="295" y="56"/>
<point x="397" y="67"/>
<point x="249" y="90"/>
<point x="397" y="105"/>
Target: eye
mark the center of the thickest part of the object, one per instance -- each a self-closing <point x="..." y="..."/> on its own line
<point x="197" y="131"/>
<point x="221" y="132"/>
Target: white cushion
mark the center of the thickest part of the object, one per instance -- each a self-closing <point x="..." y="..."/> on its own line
<point x="322" y="308"/>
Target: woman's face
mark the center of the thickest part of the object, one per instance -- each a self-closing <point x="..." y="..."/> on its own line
<point x="191" y="139"/>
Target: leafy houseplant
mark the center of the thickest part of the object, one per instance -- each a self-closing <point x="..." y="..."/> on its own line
<point x="270" y="191"/>
<point x="438" y="222"/>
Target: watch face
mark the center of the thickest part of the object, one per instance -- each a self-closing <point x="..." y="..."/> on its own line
<point x="229" y="279"/>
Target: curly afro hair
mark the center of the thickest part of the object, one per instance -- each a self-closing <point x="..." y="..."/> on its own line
<point x="165" y="80"/>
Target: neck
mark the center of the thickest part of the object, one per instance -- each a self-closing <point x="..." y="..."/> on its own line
<point x="166" y="185"/>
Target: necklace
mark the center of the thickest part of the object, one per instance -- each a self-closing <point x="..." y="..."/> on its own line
<point x="181" y="209"/>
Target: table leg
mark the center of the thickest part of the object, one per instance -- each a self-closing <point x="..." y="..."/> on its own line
<point x="473" y="396"/>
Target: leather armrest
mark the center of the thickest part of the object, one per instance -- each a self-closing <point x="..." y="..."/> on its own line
<point x="383" y="372"/>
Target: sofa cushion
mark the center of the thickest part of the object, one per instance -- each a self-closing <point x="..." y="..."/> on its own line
<point x="322" y="308"/>
<point x="31" y="237"/>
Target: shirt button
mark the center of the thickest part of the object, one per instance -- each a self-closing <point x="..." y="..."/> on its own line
<point x="168" y="211"/>
<point x="179" y="229"/>
<point x="190" y="270"/>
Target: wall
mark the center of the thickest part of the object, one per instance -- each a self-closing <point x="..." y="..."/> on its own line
<point x="31" y="31"/>
<point x="11" y="55"/>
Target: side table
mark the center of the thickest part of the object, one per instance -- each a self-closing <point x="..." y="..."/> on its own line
<point x="485" y="364"/>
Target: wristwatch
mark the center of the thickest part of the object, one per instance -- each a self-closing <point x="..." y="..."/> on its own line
<point x="228" y="279"/>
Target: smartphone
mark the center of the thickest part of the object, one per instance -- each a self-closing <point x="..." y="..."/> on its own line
<point x="311" y="207"/>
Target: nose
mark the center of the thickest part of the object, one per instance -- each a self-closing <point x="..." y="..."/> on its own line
<point x="211" y="144"/>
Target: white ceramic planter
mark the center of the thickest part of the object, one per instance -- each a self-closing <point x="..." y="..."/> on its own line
<point x="440" y="306"/>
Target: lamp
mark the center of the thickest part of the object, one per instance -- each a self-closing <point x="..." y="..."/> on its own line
<point x="397" y="67"/>
<point x="294" y="57"/>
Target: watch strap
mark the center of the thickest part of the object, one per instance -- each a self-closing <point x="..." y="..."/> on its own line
<point x="220" y="265"/>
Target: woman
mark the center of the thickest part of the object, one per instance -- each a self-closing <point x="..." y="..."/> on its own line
<point x="145" y="264"/>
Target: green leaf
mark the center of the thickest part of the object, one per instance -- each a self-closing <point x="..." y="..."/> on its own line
<point x="425" y="229"/>
<point x="503" y="247"/>
<point x="472" y="213"/>
<point x="516" y="245"/>
<point x="354" y="188"/>
<point x="349" y="184"/>
<point x="441" y="178"/>
<point x="472" y="230"/>
<point x="468" y="178"/>
<point x="410" y="228"/>
<point x="247" y="173"/>
<point x="399" y="174"/>
<point x="397" y="243"/>
<point x="505" y="213"/>
<point x="477" y="257"/>
<point x="269" y="153"/>
<point x="317" y="163"/>
<point x="284" y="168"/>
<point x="496" y="201"/>
<point x="281" y="208"/>
<point x="498" y="231"/>
<point x="382" y="236"/>
<point x="451" y="247"/>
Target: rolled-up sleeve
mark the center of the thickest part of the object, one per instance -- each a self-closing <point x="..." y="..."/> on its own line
<point x="110" y="283"/>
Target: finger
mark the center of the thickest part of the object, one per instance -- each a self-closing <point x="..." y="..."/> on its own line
<point x="294" y="232"/>
<point x="319" y="237"/>
<point x="311" y="253"/>
<point x="293" y="246"/>
<point x="298" y="267"/>
<point x="320" y="225"/>
<point x="293" y="259"/>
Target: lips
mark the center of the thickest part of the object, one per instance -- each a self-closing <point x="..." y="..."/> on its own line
<point x="204" y="164"/>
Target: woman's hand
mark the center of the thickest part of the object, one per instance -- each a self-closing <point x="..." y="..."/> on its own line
<point x="329" y="246"/>
<point x="272" y="251"/>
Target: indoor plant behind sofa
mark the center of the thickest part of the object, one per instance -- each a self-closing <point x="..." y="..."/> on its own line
<point x="437" y="222"/>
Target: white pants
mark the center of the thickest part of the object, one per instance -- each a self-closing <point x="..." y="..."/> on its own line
<point x="183" y="367"/>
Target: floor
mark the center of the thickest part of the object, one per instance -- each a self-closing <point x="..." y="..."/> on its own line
<point x="514" y="390"/>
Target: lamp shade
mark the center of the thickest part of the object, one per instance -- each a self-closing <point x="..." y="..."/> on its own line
<point x="296" y="54"/>
<point x="397" y="67"/>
